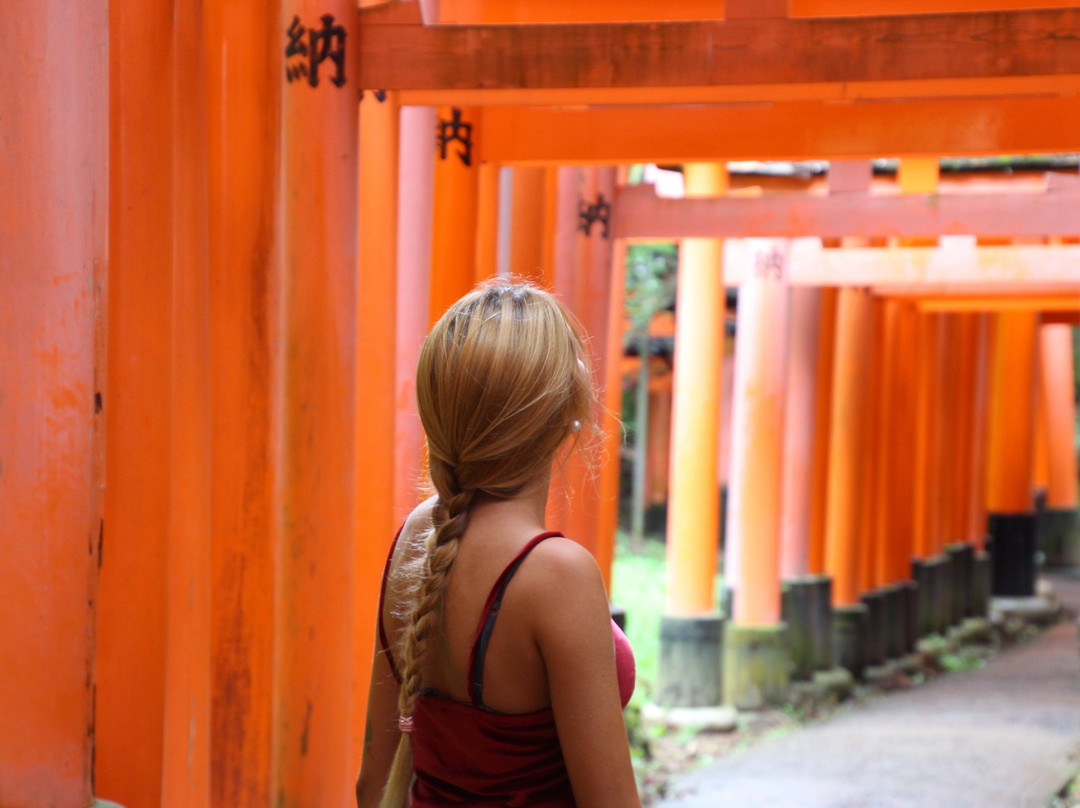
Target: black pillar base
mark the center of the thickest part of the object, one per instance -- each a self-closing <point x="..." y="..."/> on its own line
<point x="849" y="635"/>
<point x="824" y="648"/>
<point x="980" y="593"/>
<point x="1013" y="538"/>
<point x="1059" y="536"/>
<point x="875" y="627"/>
<point x="962" y="556"/>
<point x="912" y="619"/>
<point x="689" y="672"/>
<point x="798" y="610"/>
<point x="895" y="620"/>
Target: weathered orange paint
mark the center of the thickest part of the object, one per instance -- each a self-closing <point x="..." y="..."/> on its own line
<point x="130" y="660"/>
<point x="415" y="215"/>
<point x="1010" y="453"/>
<point x="823" y="385"/>
<point x="804" y="327"/>
<point x="185" y="780"/>
<point x="313" y="658"/>
<point x="243" y="170"/>
<point x="1057" y="383"/>
<point x="755" y="489"/>
<point x="693" y="529"/>
<point x="528" y="230"/>
<point x="53" y="216"/>
<point x="376" y="324"/>
<point x="454" y="227"/>
<point x="487" y="221"/>
<point x="976" y="520"/>
<point x="846" y="438"/>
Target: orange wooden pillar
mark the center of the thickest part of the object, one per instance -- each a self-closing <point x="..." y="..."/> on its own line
<point x="313" y="658"/>
<point x="585" y="284"/>
<point x="756" y="656"/>
<point x="133" y="606"/>
<point x="456" y="201"/>
<point x="1011" y="514"/>
<point x="799" y="418"/>
<point x="51" y="354"/>
<point x="823" y="383"/>
<point x="845" y="491"/>
<point x="376" y="366"/>
<point x="528" y="226"/>
<point x="689" y="670"/>
<point x="244" y="85"/>
<point x="188" y="679"/>
<point x="416" y="170"/>
<point x="1060" y="526"/>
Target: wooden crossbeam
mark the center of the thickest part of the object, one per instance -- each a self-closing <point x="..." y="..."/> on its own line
<point x="958" y="266"/>
<point x="991" y="45"/>
<point x="780" y="131"/>
<point x="638" y="213"/>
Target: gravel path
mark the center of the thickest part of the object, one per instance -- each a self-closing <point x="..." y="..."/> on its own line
<point x="998" y="736"/>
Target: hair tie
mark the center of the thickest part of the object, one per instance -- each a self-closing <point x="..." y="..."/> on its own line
<point x="576" y="426"/>
<point x="405" y="723"/>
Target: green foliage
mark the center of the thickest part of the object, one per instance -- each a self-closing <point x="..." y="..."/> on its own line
<point x="650" y="281"/>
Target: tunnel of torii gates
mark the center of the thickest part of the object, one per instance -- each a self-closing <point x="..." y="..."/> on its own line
<point x="218" y="265"/>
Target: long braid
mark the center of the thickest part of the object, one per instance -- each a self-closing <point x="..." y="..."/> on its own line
<point x="440" y="549"/>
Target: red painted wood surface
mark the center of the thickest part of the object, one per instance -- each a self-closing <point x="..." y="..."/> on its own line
<point x="53" y="272"/>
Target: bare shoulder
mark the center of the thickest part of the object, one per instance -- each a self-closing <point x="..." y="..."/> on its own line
<point x="417" y="524"/>
<point x="562" y="575"/>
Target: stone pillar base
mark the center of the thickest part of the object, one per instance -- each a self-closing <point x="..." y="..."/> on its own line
<point x="689" y="672"/>
<point x="874" y="648"/>
<point x="799" y="612"/>
<point x="912" y="615"/>
<point x="980" y="591"/>
<point x="1013" y="538"/>
<point x="962" y="555"/>
<point x="757" y="665"/>
<point x="895" y="622"/>
<point x="824" y="658"/>
<point x="1059" y="536"/>
<point x="849" y="636"/>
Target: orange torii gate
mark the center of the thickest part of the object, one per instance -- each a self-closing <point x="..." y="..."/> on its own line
<point x="198" y="495"/>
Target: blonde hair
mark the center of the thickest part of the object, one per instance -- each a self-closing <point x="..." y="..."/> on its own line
<point x="503" y="380"/>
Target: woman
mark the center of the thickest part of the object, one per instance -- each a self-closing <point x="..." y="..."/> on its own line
<point x="499" y="678"/>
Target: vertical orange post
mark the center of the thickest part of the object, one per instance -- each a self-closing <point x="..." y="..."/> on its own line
<point x="456" y="199"/>
<point x="186" y="774"/>
<point x="313" y="656"/>
<point x="1040" y="465"/>
<point x="487" y="221"/>
<point x="244" y="83"/>
<point x="585" y="286"/>
<point x="976" y="519"/>
<point x="608" y="484"/>
<point x="693" y="529"/>
<point x="885" y="459"/>
<point x="799" y="420"/>
<point x="1060" y="523"/>
<point x="376" y="309"/>
<point x="690" y="648"/>
<point x="901" y="442"/>
<point x="131" y="625"/>
<point x="868" y="514"/>
<point x="414" y="239"/>
<point x="754" y="491"/>
<point x="822" y="419"/>
<point x="1012" y="520"/>
<point x="54" y="257"/>
<point x="927" y="470"/>
<point x="659" y="449"/>
<point x="1058" y="380"/>
<point x="846" y="445"/>
<point x="527" y="224"/>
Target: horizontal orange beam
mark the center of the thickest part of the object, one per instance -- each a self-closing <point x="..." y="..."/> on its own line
<point x="711" y="52"/>
<point x="779" y="131"/>
<point x="638" y="213"/>
<point x="953" y="267"/>
<point x="1020" y="302"/>
<point x="997" y="87"/>
<point x="554" y="11"/>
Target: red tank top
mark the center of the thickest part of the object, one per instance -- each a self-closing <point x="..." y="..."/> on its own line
<point x="466" y="754"/>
